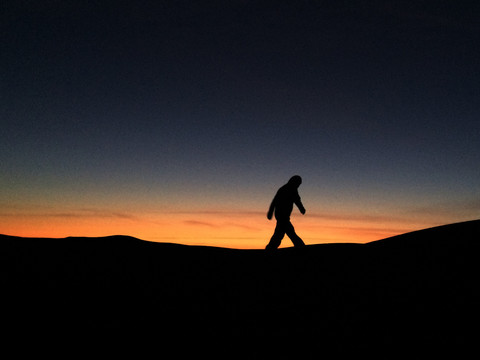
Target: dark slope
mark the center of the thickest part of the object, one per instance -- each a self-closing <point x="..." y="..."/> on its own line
<point x="417" y="289"/>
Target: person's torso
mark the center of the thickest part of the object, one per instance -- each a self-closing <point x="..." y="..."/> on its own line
<point x="285" y="198"/>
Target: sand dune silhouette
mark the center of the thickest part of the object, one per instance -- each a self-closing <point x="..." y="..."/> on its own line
<point x="416" y="289"/>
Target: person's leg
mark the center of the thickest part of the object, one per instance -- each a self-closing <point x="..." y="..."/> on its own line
<point x="276" y="237"/>
<point x="290" y="231"/>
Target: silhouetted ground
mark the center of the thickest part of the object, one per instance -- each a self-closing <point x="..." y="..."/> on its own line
<point x="414" y="291"/>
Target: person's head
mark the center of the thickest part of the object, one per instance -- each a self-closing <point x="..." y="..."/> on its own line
<point x="295" y="181"/>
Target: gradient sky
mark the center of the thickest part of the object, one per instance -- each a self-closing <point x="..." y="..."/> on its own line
<point x="177" y="121"/>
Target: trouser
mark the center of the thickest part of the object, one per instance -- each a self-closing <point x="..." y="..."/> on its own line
<point x="284" y="227"/>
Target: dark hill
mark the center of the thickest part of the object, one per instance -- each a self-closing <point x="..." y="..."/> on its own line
<point x="409" y="291"/>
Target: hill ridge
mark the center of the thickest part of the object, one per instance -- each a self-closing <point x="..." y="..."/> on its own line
<point x="422" y="284"/>
<point x="469" y="229"/>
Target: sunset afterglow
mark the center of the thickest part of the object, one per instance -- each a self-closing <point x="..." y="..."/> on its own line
<point x="223" y="228"/>
<point x="178" y="123"/>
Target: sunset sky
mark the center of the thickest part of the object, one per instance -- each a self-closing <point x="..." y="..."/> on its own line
<point x="177" y="121"/>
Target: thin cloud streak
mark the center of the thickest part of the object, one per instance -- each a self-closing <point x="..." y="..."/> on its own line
<point x="75" y="214"/>
<point x="200" y="223"/>
<point x="222" y="225"/>
<point x="214" y="212"/>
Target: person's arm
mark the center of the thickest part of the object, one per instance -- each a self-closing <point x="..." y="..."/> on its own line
<point x="271" y="209"/>
<point x="299" y="204"/>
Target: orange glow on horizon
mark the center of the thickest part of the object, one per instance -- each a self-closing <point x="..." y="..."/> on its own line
<point x="242" y="231"/>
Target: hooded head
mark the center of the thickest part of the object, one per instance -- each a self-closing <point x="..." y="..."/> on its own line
<point x="295" y="181"/>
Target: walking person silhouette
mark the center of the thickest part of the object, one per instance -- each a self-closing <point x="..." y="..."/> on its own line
<point x="282" y="206"/>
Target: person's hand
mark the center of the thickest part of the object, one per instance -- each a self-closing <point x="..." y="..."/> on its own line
<point x="269" y="216"/>
<point x="303" y="211"/>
